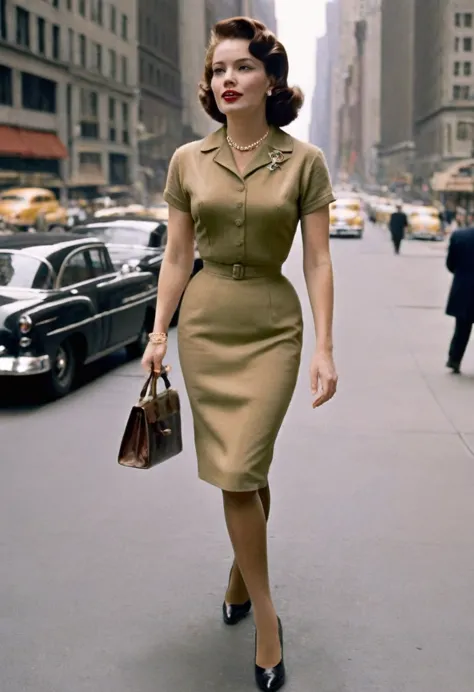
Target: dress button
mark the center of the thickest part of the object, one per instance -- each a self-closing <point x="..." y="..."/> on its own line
<point x="240" y="242"/>
<point x="242" y="188"/>
<point x="238" y="222"/>
<point x="240" y="205"/>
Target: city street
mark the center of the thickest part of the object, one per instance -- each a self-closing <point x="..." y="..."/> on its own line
<point x="112" y="580"/>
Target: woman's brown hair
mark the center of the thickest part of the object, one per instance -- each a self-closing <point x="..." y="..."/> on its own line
<point x="285" y="102"/>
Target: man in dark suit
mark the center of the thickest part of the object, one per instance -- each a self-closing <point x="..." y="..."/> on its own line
<point x="397" y="225"/>
<point x="460" y="262"/>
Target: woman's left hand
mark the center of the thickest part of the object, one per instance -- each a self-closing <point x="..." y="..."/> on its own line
<point x="323" y="377"/>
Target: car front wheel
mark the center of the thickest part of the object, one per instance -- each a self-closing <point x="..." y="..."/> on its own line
<point x="63" y="369"/>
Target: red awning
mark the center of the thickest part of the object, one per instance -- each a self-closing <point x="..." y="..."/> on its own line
<point x="31" y="144"/>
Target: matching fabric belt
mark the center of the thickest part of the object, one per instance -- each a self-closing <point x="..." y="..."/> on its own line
<point x="240" y="271"/>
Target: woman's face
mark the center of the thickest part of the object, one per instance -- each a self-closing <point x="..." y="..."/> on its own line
<point x="239" y="81"/>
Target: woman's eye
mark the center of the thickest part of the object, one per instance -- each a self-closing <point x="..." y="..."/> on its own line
<point x="217" y="70"/>
<point x="245" y="67"/>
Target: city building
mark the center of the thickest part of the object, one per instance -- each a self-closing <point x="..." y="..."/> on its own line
<point x="397" y="146"/>
<point x="160" y="112"/>
<point x="320" y="125"/>
<point x="193" y="42"/>
<point x="263" y="10"/>
<point x="371" y="14"/>
<point x="443" y="89"/>
<point x="68" y="95"/>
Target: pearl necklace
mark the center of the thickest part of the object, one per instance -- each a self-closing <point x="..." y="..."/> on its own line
<point x="250" y="147"/>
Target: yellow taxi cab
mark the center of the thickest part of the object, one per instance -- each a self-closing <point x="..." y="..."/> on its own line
<point x="424" y="223"/>
<point x="24" y="207"/>
<point x="346" y="217"/>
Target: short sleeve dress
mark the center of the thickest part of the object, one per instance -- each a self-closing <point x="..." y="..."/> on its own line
<point x="240" y="328"/>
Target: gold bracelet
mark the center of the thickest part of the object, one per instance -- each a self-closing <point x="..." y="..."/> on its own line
<point x="157" y="338"/>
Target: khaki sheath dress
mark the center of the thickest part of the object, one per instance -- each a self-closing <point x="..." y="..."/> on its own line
<point x="240" y="328"/>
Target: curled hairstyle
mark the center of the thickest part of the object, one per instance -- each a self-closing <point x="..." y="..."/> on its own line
<point x="284" y="103"/>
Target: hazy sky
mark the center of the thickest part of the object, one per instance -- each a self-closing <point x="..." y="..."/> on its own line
<point x="300" y="22"/>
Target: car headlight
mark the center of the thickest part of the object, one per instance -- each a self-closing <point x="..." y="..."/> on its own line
<point x="25" y="324"/>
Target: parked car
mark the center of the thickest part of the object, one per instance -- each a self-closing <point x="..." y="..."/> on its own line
<point x="32" y="207"/>
<point x="136" y="242"/>
<point x="63" y="304"/>
<point x="346" y="217"/>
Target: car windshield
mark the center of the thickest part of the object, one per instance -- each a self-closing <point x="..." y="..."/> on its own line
<point x="12" y="198"/>
<point x="21" y="270"/>
<point x="124" y="235"/>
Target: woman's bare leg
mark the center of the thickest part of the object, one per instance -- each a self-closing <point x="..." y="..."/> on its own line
<point x="247" y="526"/>
<point x="237" y="591"/>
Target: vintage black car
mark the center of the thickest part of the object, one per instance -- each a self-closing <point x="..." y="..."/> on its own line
<point x="63" y="304"/>
<point x="138" y="242"/>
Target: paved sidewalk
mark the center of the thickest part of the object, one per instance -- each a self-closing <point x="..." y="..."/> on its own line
<point x="111" y="580"/>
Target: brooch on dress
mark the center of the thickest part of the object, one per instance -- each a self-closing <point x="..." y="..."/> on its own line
<point x="276" y="158"/>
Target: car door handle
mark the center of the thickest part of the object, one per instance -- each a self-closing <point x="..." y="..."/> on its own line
<point x="74" y="291"/>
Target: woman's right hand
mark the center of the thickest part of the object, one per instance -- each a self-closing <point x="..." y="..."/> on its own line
<point x="153" y="357"/>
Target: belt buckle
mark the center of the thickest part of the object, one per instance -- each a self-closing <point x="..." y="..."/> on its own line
<point x="238" y="271"/>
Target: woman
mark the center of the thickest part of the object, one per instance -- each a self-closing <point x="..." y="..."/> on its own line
<point x="242" y="191"/>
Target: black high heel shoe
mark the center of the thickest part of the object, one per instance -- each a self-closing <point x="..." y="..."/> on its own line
<point x="232" y="614"/>
<point x="270" y="679"/>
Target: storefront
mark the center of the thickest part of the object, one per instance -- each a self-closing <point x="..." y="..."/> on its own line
<point x="454" y="187"/>
<point x="30" y="158"/>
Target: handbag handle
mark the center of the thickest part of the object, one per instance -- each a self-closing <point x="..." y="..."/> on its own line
<point x="153" y="379"/>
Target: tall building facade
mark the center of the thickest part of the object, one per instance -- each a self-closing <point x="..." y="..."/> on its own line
<point x="397" y="146"/>
<point x="68" y="81"/>
<point x="320" y="130"/>
<point x="193" y="42"/>
<point x="371" y="14"/>
<point x="160" y="114"/>
<point x="444" y="85"/>
<point x="264" y="10"/>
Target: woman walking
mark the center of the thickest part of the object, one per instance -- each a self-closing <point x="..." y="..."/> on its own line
<point x="241" y="192"/>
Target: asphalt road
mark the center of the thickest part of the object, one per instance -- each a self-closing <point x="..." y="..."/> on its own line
<point x="111" y="579"/>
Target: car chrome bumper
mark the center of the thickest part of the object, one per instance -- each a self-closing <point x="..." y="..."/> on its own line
<point x="24" y="365"/>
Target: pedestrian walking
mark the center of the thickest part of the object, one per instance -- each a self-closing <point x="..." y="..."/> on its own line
<point x="398" y="223"/>
<point x="460" y="262"/>
<point x="242" y="191"/>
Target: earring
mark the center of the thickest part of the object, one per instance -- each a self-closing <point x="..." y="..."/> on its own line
<point x="269" y="92"/>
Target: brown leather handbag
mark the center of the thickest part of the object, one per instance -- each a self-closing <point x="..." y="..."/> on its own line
<point x="153" y="431"/>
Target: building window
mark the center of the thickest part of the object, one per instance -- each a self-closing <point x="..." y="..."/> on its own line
<point x="56" y="4"/>
<point x="69" y="4"/>
<point x="113" y="64"/>
<point x="89" y="130"/>
<point x="118" y="169"/>
<point x="457" y="42"/>
<point x="38" y="94"/>
<point x="41" y="36"/>
<point x="98" y="58"/>
<point x="90" y="161"/>
<point x="3" y="19"/>
<point x="22" y="27"/>
<point x="125" y="124"/>
<point x="457" y="19"/>
<point x="463" y="131"/>
<point x="461" y="92"/>
<point x="89" y="104"/>
<point x="113" y="19"/>
<point x="6" y="86"/>
<point x="449" y="138"/>
<point x="82" y="51"/>
<point x="467" y="43"/>
<point x="468" y="20"/>
<point x="112" y="109"/>
<point x="71" y="46"/>
<point x="97" y="11"/>
<point x="82" y="8"/>
<point x="56" y="42"/>
<point x="457" y="68"/>
<point x="124" y="62"/>
<point x="467" y="69"/>
<point x="125" y="27"/>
